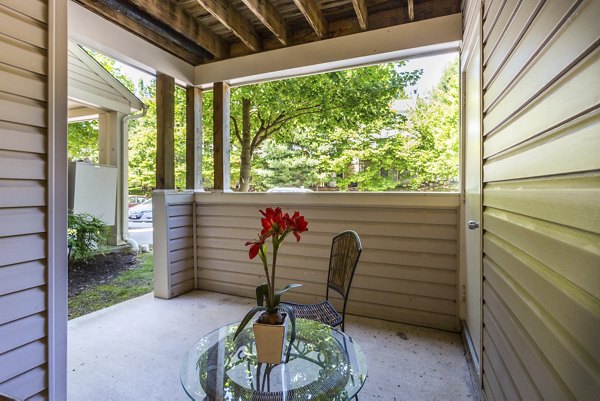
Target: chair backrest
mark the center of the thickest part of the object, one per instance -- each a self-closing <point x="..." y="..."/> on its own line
<point x="345" y="252"/>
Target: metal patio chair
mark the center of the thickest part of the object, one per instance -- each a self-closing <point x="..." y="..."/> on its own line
<point x="345" y="252"/>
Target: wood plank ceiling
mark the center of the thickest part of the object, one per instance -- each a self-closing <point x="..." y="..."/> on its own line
<point x="202" y="31"/>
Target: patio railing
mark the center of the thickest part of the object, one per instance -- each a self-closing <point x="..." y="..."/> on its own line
<point x="408" y="271"/>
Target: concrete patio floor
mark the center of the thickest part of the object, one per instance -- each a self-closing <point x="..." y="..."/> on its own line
<point x="133" y="350"/>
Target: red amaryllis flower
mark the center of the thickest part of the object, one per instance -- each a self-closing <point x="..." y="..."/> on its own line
<point x="256" y="245"/>
<point x="297" y="225"/>
<point x="273" y="222"/>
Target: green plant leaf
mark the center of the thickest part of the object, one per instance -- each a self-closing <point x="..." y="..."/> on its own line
<point x="279" y="293"/>
<point x="247" y="318"/>
<point x="262" y="292"/>
<point x="292" y="316"/>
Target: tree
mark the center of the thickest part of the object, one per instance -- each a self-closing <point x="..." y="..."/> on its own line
<point x="416" y="152"/>
<point x="142" y="142"/>
<point x="341" y="100"/>
<point x="83" y="141"/>
<point x="432" y="129"/>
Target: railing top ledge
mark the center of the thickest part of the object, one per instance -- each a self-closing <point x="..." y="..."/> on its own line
<point x="333" y="199"/>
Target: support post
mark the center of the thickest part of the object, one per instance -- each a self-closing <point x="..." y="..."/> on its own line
<point x="193" y="138"/>
<point x="112" y="143"/>
<point x="165" y="135"/>
<point x="108" y="143"/>
<point x="221" y="136"/>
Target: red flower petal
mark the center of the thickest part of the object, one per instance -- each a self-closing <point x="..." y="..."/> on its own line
<point x="254" y="250"/>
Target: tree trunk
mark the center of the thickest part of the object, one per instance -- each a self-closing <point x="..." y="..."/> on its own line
<point x="246" y="157"/>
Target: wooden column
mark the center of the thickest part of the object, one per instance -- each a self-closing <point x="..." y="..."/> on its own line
<point x="221" y="136"/>
<point x="165" y="135"/>
<point x="193" y="138"/>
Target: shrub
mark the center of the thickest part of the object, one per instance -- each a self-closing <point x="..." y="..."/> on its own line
<point x="87" y="236"/>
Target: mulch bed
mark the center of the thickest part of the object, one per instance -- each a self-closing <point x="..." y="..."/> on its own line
<point x="98" y="270"/>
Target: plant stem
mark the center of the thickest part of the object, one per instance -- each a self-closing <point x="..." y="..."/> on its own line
<point x="263" y="257"/>
<point x="275" y="248"/>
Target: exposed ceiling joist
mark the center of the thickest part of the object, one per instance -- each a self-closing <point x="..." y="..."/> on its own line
<point x="227" y="15"/>
<point x="174" y="16"/>
<point x="362" y="13"/>
<point x="200" y="31"/>
<point x="313" y="15"/>
<point x="270" y="17"/>
<point x="123" y="18"/>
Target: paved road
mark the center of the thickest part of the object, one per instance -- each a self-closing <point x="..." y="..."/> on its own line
<point x="141" y="232"/>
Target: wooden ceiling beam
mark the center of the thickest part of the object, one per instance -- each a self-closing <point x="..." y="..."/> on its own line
<point x="173" y="16"/>
<point x="227" y="15"/>
<point x="313" y="15"/>
<point x="270" y="17"/>
<point x="362" y="13"/>
<point x="142" y="31"/>
<point x="377" y="20"/>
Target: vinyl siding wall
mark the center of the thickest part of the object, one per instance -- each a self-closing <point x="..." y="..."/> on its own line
<point x="407" y="272"/>
<point x="23" y="198"/>
<point x="541" y="244"/>
<point x="172" y="215"/>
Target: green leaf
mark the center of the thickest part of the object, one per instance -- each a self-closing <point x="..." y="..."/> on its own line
<point x="279" y="293"/>
<point x="262" y="292"/>
<point x="247" y="318"/>
<point x="290" y="313"/>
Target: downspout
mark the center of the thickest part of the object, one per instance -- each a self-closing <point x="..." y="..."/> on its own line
<point x="125" y="162"/>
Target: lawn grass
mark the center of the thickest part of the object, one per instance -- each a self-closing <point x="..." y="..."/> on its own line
<point x="129" y="284"/>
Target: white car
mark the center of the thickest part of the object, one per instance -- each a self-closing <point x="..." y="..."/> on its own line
<point x="289" y="189"/>
<point x="141" y="212"/>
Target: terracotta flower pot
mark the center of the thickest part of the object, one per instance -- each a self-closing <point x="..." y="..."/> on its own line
<point x="270" y="341"/>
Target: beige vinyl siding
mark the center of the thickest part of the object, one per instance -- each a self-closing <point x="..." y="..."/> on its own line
<point x="91" y="84"/>
<point x="23" y="180"/>
<point x="541" y="167"/>
<point x="407" y="272"/>
<point x="172" y="215"/>
<point x="181" y="248"/>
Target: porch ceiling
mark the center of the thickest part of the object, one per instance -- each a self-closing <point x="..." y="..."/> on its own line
<point x="201" y="31"/>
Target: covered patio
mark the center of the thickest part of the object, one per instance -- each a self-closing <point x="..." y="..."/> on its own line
<point x="132" y="351"/>
<point x="508" y="264"/>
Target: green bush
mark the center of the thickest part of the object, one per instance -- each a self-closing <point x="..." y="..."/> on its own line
<point x="86" y="235"/>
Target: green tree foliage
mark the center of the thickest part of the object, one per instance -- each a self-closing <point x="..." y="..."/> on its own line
<point x="431" y="149"/>
<point x="83" y="141"/>
<point x="348" y="100"/>
<point x="337" y="128"/>
<point x="418" y="151"/>
<point x="142" y="142"/>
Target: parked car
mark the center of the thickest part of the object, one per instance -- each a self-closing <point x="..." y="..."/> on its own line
<point x="289" y="189"/>
<point x="142" y="212"/>
<point x="136" y="200"/>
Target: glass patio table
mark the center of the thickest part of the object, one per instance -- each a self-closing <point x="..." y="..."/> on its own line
<point x="323" y="364"/>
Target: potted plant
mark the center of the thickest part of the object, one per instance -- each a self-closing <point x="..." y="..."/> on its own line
<point x="270" y="327"/>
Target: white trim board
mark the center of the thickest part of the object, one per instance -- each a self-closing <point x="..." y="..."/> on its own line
<point x="95" y="67"/>
<point x="95" y="32"/>
<point x="57" y="201"/>
<point x="432" y="36"/>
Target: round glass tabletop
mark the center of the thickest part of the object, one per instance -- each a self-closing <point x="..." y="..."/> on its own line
<point x="324" y="364"/>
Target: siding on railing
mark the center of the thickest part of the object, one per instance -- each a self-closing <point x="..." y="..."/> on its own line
<point x="407" y="272"/>
<point x="541" y="262"/>
<point x="173" y="243"/>
<point x="23" y="183"/>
